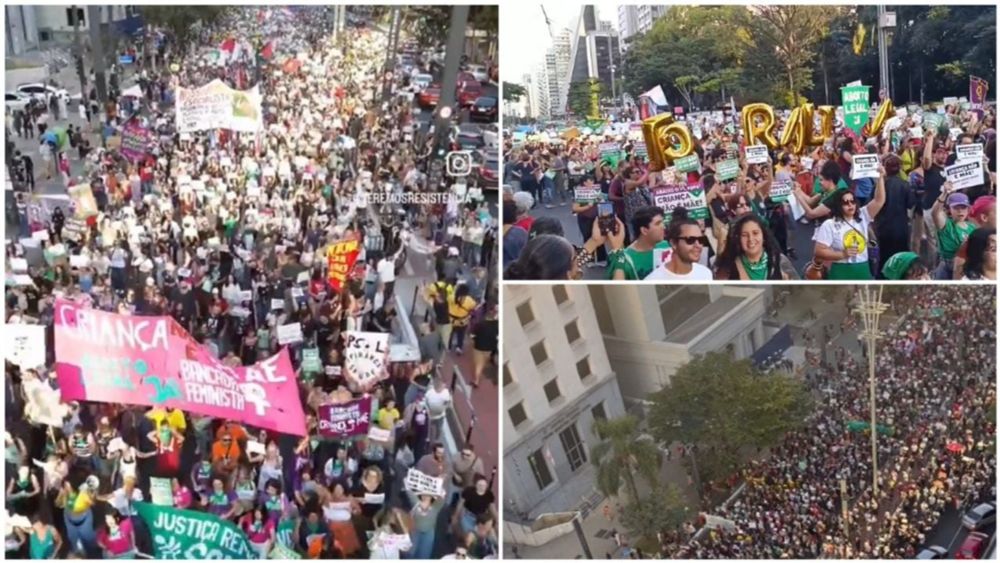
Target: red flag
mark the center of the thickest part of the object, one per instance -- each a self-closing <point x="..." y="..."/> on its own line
<point x="228" y="45"/>
<point x="268" y="51"/>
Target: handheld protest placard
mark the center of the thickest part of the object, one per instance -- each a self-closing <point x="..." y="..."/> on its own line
<point x="661" y="133"/>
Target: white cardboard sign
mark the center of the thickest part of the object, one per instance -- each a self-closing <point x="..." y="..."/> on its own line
<point x="865" y="166"/>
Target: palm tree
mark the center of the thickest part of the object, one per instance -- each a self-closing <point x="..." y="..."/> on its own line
<point x="621" y="454"/>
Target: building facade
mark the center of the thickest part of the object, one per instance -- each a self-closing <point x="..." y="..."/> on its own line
<point x="557" y="379"/>
<point x="595" y="51"/>
<point x="55" y="23"/>
<point x="637" y="19"/>
<point x="21" y="29"/>
<point x="650" y="331"/>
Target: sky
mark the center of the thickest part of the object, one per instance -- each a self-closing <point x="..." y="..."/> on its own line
<point x="524" y="37"/>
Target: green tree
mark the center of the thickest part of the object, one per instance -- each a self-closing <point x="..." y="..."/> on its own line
<point x="513" y="92"/>
<point x="181" y="20"/>
<point x="484" y="18"/>
<point x="621" y="455"/>
<point x="793" y="33"/>
<point x="662" y="509"/>
<point x="722" y="405"/>
<point x="578" y="99"/>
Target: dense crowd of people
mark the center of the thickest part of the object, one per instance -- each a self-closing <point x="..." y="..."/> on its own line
<point x="227" y="233"/>
<point x="753" y="214"/>
<point x="936" y="443"/>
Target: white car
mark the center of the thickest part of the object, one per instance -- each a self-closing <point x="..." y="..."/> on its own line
<point x="15" y="101"/>
<point x="479" y="71"/>
<point x="40" y="91"/>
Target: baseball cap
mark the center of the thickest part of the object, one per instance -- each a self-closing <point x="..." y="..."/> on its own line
<point x="897" y="265"/>
<point x="982" y="204"/>
<point x="958" y="200"/>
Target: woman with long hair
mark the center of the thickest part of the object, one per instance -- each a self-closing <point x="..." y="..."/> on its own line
<point x="752" y="253"/>
<point x="981" y="252"/>
<point x="844" y="239"/>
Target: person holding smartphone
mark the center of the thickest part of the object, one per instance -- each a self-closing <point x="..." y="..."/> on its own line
<point x="587" y="211"/>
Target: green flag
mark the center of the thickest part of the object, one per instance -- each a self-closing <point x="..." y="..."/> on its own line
<point x="186" y="534"/>
<point x="855" y="103"/>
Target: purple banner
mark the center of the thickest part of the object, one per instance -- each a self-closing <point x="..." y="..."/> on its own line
<point x="135" y="139"/>
<point x="978" y="88"/>
<point x="346" y="419"/>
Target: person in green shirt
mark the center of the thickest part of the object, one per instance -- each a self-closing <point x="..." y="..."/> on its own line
<point x="826" y="185"/>
<point x="951" y="230"/>
<point x="635" y="262"/>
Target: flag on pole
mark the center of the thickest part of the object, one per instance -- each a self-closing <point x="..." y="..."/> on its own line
<point x="268" y="51"/>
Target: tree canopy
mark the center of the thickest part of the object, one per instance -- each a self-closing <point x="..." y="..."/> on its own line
<point x="513" y="92"/>
<point x="180" y="20"/>
<point x="701" y="55"/>
<point x="723" y="405"/>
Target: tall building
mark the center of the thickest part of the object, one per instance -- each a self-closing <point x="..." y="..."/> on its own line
<point x="628" y="21"/>
<point x="595" y="51"/>
<point x="556" y="384"/>
<point x="540" y="92"/>
<point x="637" y="19"/>
<point x="651" y="330"/>
<point x="557" y="67"/>
<point x="21" y="29"/>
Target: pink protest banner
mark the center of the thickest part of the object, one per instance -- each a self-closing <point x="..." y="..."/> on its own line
<point x="135" y="139"/>
<point x="346" y="419"/>
<point x="153" y="361"/>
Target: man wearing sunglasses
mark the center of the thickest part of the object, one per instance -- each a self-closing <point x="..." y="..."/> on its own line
<point x="687" y="240"/>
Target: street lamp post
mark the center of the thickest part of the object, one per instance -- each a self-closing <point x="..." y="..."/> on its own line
<point x="871" y="308"/>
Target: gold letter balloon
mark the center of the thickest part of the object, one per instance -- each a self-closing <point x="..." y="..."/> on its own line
<point x="661" y="134"/>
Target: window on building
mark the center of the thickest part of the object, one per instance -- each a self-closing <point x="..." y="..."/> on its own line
<point x="540" y="469"/>
<point x="525" y="314"/>
<point x="560" y="293"/>
<point x="602" y="309"/>
<point x="517" y="414"/>
<point x="597" y="411"/>
<point x="575" y="449"/>
<point x="539" y="353"/>
<point x="572" y="332"/>
<point x="79" y="17"/>
<point x="507" y="378"/>
<point x="552" y="390"/>
<point x="583" y="368"/>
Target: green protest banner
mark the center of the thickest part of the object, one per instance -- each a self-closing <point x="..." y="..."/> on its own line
<point x="282" y="552"/>
<point x="687" y="163"/>
<point x="781" y="190"/>
<point x="310" y="361"/>
<point x="862" y="426"/>
<point x="854" y="100"/>
<point x="727" y="170"/>
<point x="186" y="534"/>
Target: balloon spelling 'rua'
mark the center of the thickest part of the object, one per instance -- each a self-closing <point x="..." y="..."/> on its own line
<point x="666" y="140"/>
<point x="799" y="131"/>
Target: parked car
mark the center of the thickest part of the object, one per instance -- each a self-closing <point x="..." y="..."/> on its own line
<point x="479" y="73"/>
<point x="483" y="109"/>
<point x="429" y="97"/>
<point x="469" y="137"/>
<point x="933" y="552"/>
<point x="980" y="516"/>
<point x="41" y="92"/>
<point x="468" y="93"/>
<point x="15" y="101"/>
<point x="972" y="547"/>
<point x="489" y="171"/>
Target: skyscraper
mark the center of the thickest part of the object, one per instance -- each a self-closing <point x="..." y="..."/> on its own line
<point x="595" y="52"/>
<point x="637" y="19"/>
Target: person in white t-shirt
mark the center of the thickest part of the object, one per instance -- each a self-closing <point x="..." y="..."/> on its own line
<point x="438" y="399"/>
<point x="843" y="238"/>
<point x="687" y="241"/>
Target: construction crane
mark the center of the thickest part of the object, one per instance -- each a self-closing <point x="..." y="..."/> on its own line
<point x="548" y="22"/>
